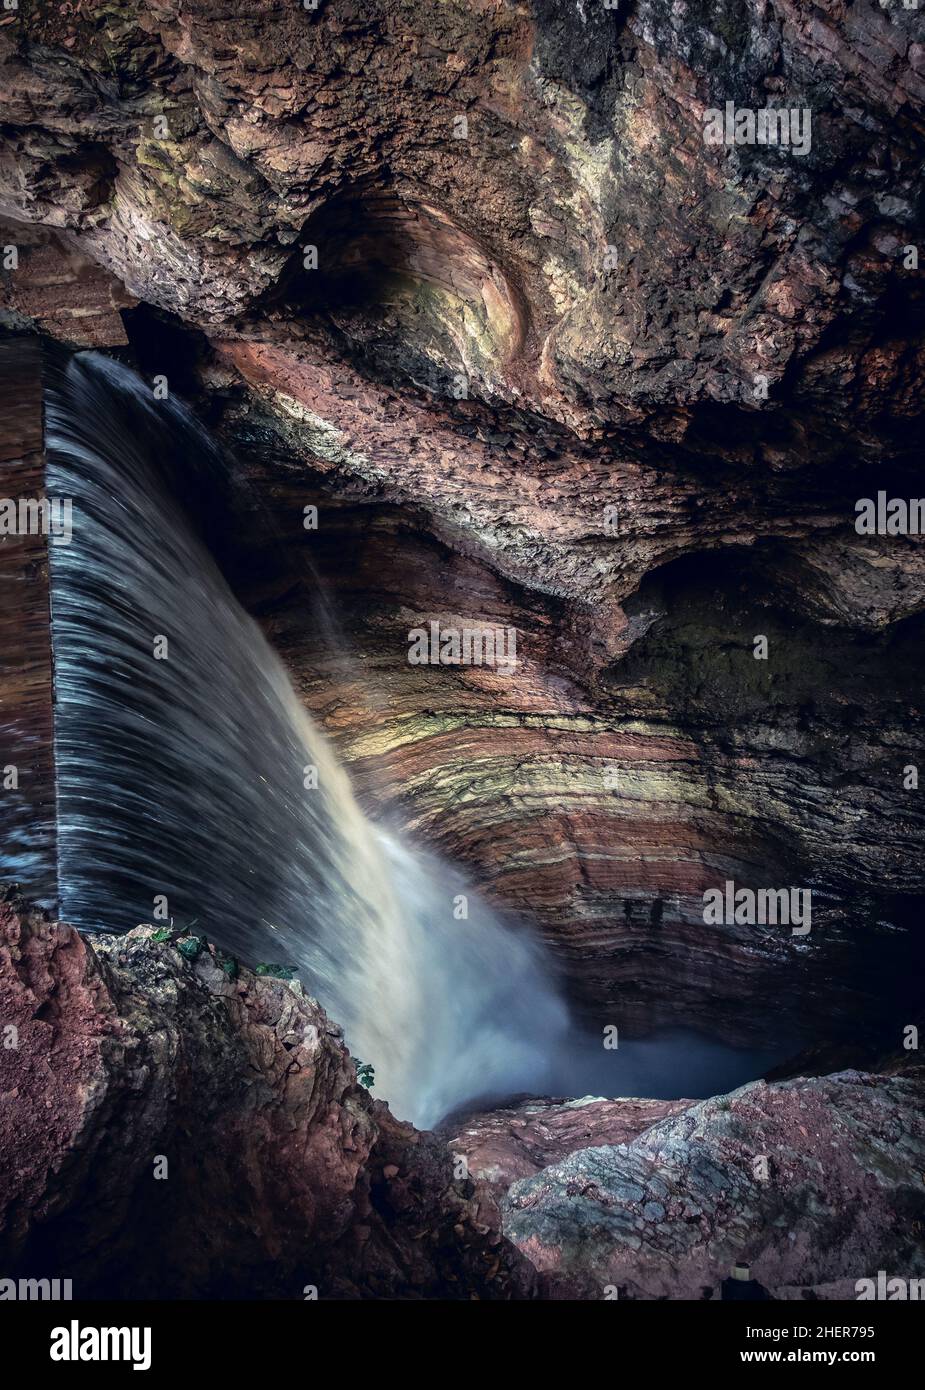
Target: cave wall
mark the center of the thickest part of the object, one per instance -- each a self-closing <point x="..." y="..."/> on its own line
<point x="525" y="385"/>
<point x="27" y="782"/>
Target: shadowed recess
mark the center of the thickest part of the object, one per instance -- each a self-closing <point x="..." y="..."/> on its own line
<point x="189" y="775"/>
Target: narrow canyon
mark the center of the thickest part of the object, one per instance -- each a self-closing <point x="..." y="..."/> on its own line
<point x="355" y="326"/>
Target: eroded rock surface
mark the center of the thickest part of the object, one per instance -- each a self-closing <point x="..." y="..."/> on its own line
<point x="525" y="384"/>
<point x="174" y="1126"/>
<point x="813" y="1184"/>
<point x="505" y="1145"/>
<point x="491" y="155"/>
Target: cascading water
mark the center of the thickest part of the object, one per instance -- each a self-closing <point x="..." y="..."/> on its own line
<point x="182" y="758"/>
<point x="187" y="770"/>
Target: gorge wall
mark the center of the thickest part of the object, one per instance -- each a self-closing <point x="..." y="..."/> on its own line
<point x="560" y="366"/>
<point x="203" y="1135"/>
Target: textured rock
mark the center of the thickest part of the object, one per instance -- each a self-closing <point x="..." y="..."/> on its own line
<point x="502" y="1146"/>
<point x="215" y="137"/>
<point x="668" y="1214"/>
<point x="60" y="291"/>
<point x="604" y="813"/>
<point x="159" y="1101"/>
<point x="27" y="830"/>
<point x="564" y="303"/>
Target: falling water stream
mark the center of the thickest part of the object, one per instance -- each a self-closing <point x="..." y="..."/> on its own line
<point x="186" y="767"/>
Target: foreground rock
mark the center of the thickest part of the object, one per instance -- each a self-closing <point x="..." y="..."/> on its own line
<point x="813" y="1184"/>
<point x="504" y="1145"/>
<point x="172" y="1126"/>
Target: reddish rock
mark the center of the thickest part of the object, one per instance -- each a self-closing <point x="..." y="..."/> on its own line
<point x="812" y="1184"/>
<point x="502" y="1146"/>
<point x="59" y="290"/>
<point x="539" y="295"/>
<point x="174" y="1127"/>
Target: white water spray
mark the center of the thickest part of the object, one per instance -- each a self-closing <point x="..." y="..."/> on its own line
<point x="182" y="751"/>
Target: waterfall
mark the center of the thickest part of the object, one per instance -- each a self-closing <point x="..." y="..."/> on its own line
<point x="186" y="768"/>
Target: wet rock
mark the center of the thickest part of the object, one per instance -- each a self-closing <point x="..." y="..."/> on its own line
<point x="170" y="1131"/>
<point x="812" y="1184"/>
<point x="525" y="383"/>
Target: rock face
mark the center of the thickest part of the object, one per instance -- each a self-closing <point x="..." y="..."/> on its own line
<point x="192" y="148"/>
<point x="812" y="1184"/>
<point x="27" y="821"/>
<point x="174" y="1127"/>
<point x="471" y="280"/>
<point x="506" y="1145"/>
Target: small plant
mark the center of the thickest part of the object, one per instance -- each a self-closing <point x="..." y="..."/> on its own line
<point x="172" y="932"/>
<point x="366" y="1074"/>
<point x="228" y="964"/>
<point x="278" y="972"/>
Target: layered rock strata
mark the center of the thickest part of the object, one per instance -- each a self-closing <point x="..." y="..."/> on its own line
<point x="474" y="283"/>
